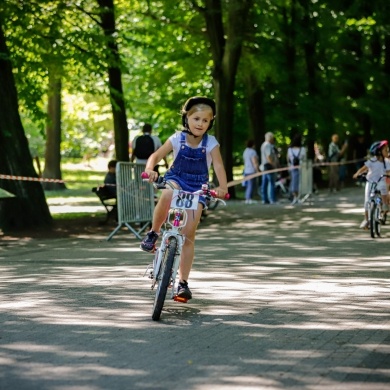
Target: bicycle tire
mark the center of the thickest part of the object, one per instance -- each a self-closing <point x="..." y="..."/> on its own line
<point x="212" y="206"/>
<point x="372" y="219"/>
<point x="377" y="221"/>
<point x="163" y="283"/>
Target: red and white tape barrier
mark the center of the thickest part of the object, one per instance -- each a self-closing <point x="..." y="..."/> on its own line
<point x="257" y="174"/>
<point x="26" y="178"/>
<point x="230" y="184"/>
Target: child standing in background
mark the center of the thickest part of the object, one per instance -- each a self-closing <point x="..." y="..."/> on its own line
<point x="295" y="155"/>
<point x="251" y="166"/>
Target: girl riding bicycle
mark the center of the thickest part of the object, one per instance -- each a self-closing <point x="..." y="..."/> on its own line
<point x="375" y="167"/>
<point x="193" y="150"/>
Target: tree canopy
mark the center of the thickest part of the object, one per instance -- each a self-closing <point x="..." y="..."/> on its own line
<point x="286" y="66"/>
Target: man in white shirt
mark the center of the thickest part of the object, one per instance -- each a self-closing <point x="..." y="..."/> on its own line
<point x="334" y="155"/>
<point x="269" y="160"/>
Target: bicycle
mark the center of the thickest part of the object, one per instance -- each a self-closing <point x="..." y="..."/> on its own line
<point x="376" y="217"/>
<point x="164" y="269"/>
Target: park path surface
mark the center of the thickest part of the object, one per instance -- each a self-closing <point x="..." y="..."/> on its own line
<point x="284" y="297"/>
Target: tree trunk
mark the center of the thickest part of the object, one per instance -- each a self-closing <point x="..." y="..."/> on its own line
<point x="309" y="48"/>
<point x="290" y="28"/>
<point x="356" y="88"/>
<point x="53" y="134"/>
<point x="256" y="109"/>
<point x="226" y="54"/>
<point x="107" y="17"/>
<point x="29" y="207"/>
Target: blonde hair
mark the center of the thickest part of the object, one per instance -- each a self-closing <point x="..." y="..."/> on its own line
<point x="200" y="107"/>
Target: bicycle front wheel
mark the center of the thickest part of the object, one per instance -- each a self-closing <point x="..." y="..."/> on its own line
<point x="372" y="219"/>
<point x="377" y="223"/>
<point x="164" y="278"/>
<point x="384" y="218"/>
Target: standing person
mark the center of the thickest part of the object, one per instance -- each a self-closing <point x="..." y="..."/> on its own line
<point x="269" y="160"/>
<point x="334" y="155"/>
<point x="375" y="167"/>
<point x="144" y="145"/>
<point x="194" y="151"/>
<point x="295" y="155"/>
<point x="251" y="166"/>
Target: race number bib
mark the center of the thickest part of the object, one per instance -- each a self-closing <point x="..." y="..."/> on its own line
<point x="184" y="200"/>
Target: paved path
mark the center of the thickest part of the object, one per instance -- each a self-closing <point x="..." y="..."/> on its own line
<point x="283" y="298"/>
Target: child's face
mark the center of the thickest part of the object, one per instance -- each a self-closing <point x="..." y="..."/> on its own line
<point x="199" y="121"/>
<point x="385" y="151"/>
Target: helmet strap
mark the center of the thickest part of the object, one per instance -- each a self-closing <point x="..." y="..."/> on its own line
<point x="188" y="131"/>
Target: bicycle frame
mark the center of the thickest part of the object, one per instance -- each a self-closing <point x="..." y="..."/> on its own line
<point x="166" y="261"/>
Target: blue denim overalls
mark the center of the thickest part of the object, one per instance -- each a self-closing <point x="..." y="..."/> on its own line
<point x="189" y="170"/>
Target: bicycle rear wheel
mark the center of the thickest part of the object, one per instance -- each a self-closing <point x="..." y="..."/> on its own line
<point x="372" y="219"/>
<point x="164" y="278"/>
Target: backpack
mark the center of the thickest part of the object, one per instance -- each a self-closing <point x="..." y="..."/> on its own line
<point x="295" y="159"/>
<point x="144" y="147"/>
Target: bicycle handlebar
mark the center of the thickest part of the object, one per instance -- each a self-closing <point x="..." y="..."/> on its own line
<point x="213" y="193"/>
<point x="365" y="174"/>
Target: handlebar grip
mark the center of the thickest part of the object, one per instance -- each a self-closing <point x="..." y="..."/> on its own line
<point x="214" y="194"/>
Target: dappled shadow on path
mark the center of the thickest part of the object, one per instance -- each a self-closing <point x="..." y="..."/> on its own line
<point x="282" y="298"/>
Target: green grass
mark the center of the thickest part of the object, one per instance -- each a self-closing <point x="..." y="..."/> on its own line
<point x="79" y="180"/>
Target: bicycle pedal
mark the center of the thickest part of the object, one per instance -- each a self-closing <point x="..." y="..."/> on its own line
<point x="176" y="298"/>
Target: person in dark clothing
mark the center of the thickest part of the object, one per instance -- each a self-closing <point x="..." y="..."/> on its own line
<point x="110" y="179"/>
<point x="145" y="145"/>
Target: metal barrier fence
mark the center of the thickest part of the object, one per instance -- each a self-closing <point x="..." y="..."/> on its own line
<point x="135" y="199"/>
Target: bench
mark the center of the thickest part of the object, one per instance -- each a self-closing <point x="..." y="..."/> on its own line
<point x="108" y="201"/>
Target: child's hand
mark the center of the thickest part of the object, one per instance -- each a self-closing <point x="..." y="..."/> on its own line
<point x="221" y="192"/>
<point x="153" y="176"/>
<point x="355" y="176"/>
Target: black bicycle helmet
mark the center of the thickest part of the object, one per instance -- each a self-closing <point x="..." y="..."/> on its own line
<point x="377" y="146"/>
<point x="194" y="101"/>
